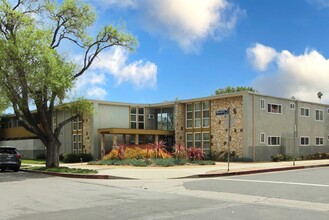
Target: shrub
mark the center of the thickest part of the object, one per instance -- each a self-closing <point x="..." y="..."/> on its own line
<point x="180" y="151"/>
<point x="75" y="158"/>
<point x="167" y="162"/>
<point x="156" y="150"/>
<point x="195" y="153"/>
<point x="277" y="157"/>
<point x="203" y="162"/>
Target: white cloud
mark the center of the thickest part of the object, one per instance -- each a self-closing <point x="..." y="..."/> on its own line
<point x="141" y="73"/>
<point x="89" y="85"/>
<point x="187" y="22"/>
<point x="319" y="3"/>
<point x="114" y="63"/>
<point x="261" y="56"/>
<point x="302" y="76"/>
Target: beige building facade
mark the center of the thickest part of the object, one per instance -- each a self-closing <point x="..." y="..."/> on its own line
<point x="260" y="126"/>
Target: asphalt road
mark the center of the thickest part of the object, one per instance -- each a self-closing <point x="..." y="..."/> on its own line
<point x="299" y="194"/>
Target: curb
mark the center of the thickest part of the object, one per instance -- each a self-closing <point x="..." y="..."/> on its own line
<point x="236" y="173"/>
<point x="76" y="175"/>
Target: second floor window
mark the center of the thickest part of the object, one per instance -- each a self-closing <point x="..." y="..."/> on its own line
<point x="274" y="108"/>
<point x="319" y="115"/>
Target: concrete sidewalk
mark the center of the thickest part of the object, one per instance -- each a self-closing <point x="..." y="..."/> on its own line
<point x="193" y="171"/>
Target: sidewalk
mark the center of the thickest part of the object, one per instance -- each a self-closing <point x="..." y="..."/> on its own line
<point x="220" y="169"/>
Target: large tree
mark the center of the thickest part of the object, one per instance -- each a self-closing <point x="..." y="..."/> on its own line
<point x="35" y="74"/>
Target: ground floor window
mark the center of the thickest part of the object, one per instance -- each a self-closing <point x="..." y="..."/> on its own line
<point x="304" y="141"/>
<point x="319" y="141"/>
<point x="198" y="139"/>
<point x="262" y="138"/>
<point x="273" y="140"/>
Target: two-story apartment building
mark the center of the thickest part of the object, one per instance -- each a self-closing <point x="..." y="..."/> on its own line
<point x="261" y="126"/>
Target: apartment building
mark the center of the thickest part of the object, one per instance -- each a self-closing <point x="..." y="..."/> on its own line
<point x="261" y="126"/>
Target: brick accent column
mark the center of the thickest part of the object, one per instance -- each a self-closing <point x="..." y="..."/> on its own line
<point x="180" y="123"/>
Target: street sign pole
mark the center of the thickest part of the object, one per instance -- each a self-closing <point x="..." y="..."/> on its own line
<point x="229" y="138"/>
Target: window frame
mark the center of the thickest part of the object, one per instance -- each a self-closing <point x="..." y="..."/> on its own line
<point x="195" y="112"/>
<point x="303" y="115"/>
<point x="187" y="140"/>
<point x="316" y="141"/>
<point x="292" y="106"/>
<point x="262" y="104"/>
<point x="269" y="110"/>
<point x="305" y="138"/>
<point x="316" y="115"/>
<point x="189" y="119"/>
<point x="205" y="141"/>
<point x="271" y="144"/>
<point x="204" y="111"/>
<point x="262" y="138"/>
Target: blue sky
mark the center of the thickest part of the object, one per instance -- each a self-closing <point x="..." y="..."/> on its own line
<point x="190" y="48"/>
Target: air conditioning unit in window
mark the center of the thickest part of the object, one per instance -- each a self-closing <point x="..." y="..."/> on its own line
<point x="150" y="116"/>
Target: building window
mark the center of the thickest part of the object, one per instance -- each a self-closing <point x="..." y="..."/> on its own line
<point x="262" y="104"/>
<point x="137" y="117"/>
<point x="165" y="118"/>
<point x="328" y="110"/>
<point x="318" y="115"/>
<point x="189" y="116"/>
<point x="292" y="106"/>
<point x="273" y="141"/>
<point x="197" y="139"/>
<point x="133" y="117"/>
<point x="274" y="108"/>
<point x="205" y="114"/>
<point x="140" y="118"/>
<point x="206" y="141"/>
<point x="304" y="141"/>
<point x="305" y="112"/>
<point x="319" y="141"/>
<point x="197" y="114"/>
<point x="262" y="138"/>
<point x="189" y="140"/>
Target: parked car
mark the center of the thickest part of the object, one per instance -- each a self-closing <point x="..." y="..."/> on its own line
<point x="9" y="159"/>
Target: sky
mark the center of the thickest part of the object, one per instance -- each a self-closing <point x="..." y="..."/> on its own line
<point x="189" y="48"/>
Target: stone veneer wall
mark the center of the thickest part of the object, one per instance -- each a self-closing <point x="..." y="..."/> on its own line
<point x="219" y="125"/>
<point x="86" y="132"/>
<point x="180" y="123"/>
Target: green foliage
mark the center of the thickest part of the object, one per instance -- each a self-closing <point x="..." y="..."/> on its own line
<point x="203" y="162"/>
<point x="281" y="157"/>
<point x="34" y="67"/>
<point x="161" y="162"/>
<point x="33" y="161"/>
<point x="76" y="158"/>
<point x="317" y="156"/>
<point x="230" y="89"/>
<point x="64" y="170"/>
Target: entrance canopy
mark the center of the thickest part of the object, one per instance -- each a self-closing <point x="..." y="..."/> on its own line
<point x="134" y="131"/>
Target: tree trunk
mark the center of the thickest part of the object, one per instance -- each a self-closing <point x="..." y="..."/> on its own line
<point x="52" y="154"/>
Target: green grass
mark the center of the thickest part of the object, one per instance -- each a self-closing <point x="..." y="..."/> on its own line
<point x="64" y="170"/>
<point x="33" y="161"/>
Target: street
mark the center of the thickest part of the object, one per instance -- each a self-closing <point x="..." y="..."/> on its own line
<point x="298" y="194"/>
